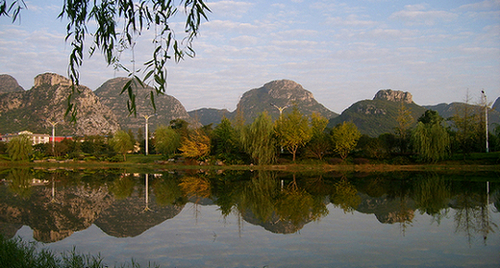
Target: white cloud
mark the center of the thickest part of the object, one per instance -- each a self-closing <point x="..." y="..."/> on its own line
<point x="484" y="5"/>
<point x="418" y="15"/>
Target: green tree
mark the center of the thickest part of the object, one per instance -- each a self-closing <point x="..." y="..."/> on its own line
<point x="258" y="140"/>
<point x="167" y="140"/>
<point x="404" y="120"/>
<point x="466" y="124"/>
<point x="319" y="143"/>
<point x="293" y="131"/>
<point x="122" y="143"/>
<point x="117" y="26"/>
<point x="224" y="139"/>
<point x="19" y="148"/>
<point x="344" y="137"/>
<point x="430" y="139"/>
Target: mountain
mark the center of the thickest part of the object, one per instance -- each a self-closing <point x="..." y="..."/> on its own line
<point x="47" y="100"/>
<point x="378" y="116"/>
<point x="9" y="84"/>
<point x="449" y="110"/>
<point x="208" y="116"/>
<point x="496" y="105"/>
<point x="271" y="97"/>
<point x="168" y="107"/>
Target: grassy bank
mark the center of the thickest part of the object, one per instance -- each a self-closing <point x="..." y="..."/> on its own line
<point x="21" y="254"/>
<point x="473" y="162"/>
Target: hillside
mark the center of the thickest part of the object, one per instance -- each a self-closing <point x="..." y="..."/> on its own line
<point x="378" y="116"/>
<point x="168" y="107"/>
<point x="270" y="97"/>
<point x="9" y="84"/>
<point x="449" y="110"/>
<point x="47" y="100"/>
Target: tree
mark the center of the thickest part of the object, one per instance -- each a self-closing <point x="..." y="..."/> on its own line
<point x="319" y="143"/>
<point x="224" y="138"/>
<point x="258" y="140"/>
<point x="122" y="143"/>
<point x="117" y="25"/>
<point x="430" y="139"/>
<point x="404" y="120"/>
<point x="195" y="145"/>
<point x="293" y="131"/>
<point x="466" y="122"/>
<point x="167" y="140"/>
<point x="344" y="138"/>
<point x="19" y="148"/>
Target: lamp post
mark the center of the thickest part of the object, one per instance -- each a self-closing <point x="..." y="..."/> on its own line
<point x="280" y="108"/>
<point x="281" y="113"/>
<point x="485" y="101"/>
<point x="53" y="132"/>
<point x="147" y="138"/>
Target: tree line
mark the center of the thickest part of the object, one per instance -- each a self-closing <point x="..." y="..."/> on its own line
<point x="292" y="137"/>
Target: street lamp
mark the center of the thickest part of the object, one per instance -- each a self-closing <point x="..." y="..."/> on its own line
<point x="53" y="132"/>
<point x="485" y="101"/>
<point x="280" y="108"/>
<point x="147" y="138"/>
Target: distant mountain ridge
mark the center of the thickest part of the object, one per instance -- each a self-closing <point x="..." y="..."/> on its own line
<point x="47" y="101"/>
<point x="378" y="116"/>
<point x="271" y="97"/>
<point x="167" y="107"/>
<point x="105" y="110"/>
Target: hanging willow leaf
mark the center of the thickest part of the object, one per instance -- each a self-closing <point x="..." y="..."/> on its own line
<point x="118" y="23"/>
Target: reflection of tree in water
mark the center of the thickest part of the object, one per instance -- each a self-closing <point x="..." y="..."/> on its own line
<point x="432" y="195"/>
<point x="20" y="182"/>
<point x="123" y="187"/>
<point x="280" y="210"/>
<point x="167" y="191"/>
<point x="472" y="212"/>
<point x="297" y="206"/>
<point x="258" y="195"/>
<point x="196" y="186"/>
<point x="345" y="195"/>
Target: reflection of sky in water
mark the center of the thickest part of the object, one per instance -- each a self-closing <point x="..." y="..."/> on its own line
<point x="339" y="239"/>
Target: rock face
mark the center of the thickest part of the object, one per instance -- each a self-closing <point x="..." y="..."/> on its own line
<point x="276" y="95"/>
<point x="167" y="107"/>
<point x="48" y="100"/>
<point x="378" y="116"/>
<point x="272" y="97"/>
<point x="394" y="95"/>
<point x="9" y="84"/>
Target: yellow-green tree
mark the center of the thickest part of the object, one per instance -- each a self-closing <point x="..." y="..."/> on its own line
<point x="319" y="143"/>
<point x="195" y="145"/>
<point x="430" y="139"/>
<point x="344" y="137"/>
<point x="167" y="140"/>
<point x="293" y="131"/>
<point x="19" y="148"/>
<point x="259" y="141"/>
<point x="122" y="143"/>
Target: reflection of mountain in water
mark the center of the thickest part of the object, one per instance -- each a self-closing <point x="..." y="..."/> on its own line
<point x="128" y="217"/>
<point x="75" y="209"/>
<point x="387" y="210"/>
<point x="275" y="224"/>
<point x="53" y="219"/>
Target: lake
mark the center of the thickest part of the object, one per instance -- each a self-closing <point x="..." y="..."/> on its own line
<point x="196" y="218"/>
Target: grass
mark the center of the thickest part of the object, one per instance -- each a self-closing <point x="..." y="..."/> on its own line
<point x="136" y="162"/>
<point x="20" y="254"/>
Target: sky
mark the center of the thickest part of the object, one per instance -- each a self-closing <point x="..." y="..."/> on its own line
<point x="341" y="51"/>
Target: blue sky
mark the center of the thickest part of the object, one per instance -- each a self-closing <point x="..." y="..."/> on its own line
<point x="341" y="51"/>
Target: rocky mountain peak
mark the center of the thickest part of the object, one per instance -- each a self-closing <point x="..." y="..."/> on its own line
<point x="51" y="79"/>
<point x="287" y="89"/>
<point x="9" y="84"/>
<point x="394" y="95"/>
